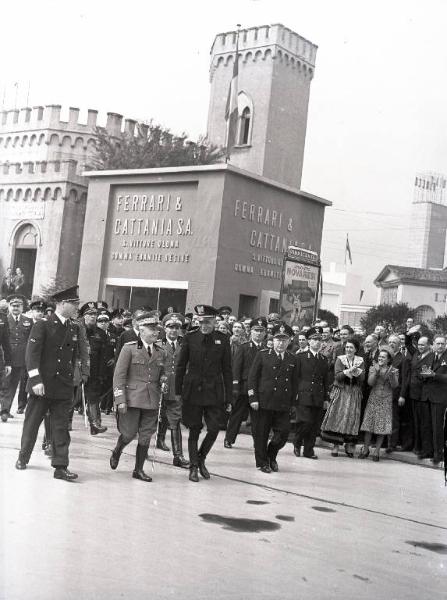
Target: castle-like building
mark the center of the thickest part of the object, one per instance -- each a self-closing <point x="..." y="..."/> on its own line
<point x="42" y="191"/>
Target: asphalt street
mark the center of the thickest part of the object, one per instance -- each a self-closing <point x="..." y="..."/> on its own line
<point x="326" y="529"/>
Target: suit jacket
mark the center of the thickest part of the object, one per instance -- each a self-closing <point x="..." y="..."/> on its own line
<point x="243" y="359"/>
<point x="411" y="375"/>
<point x="136" y="380"/>
<point x="203" y="374"/>
<point x="313" y="379"/>
<point x="434" y="389"/>
<point x="18" y="337"/>
<point x="273" y="382"/>
<point x="51" y="356"/>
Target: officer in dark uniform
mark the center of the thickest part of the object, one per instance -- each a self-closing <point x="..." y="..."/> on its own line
<point x="203" y="382"/>
<point x="19" y="330"/>
<point x="243" y="359"/>
<point x="116" y="327"/>
<point x="103" y="322"/>
<point x="272" y="388"/>
<point x="97" y="340"/>
<point x="50" y="360"/>
<point x="313" y="393"/>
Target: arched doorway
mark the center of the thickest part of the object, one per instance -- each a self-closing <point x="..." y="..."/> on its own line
<point x="25" y="251"/>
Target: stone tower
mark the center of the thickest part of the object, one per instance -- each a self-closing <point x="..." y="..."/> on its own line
<point x="276" y="67"/>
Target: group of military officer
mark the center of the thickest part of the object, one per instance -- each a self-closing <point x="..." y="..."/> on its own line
<point x="157" y="382"/>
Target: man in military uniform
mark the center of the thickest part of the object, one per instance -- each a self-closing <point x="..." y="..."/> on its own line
<point x="172" y="407"/>
<point x="116" y="327"/>
<point x="313" y="393"/>
<point x="243" y="359"/>
<point x="5" y="353"/>
<point x="103" y="323"/>
<point x="19" y="330"/>
<point x="272" y="388"/>
<point x="137" y="386"/>
<point x="97" y="340"/>
<point x="203" y="382"/>
<point x="50" y="360"/>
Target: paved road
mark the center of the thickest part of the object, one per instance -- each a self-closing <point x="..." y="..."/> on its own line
<point x="327" y="529"/>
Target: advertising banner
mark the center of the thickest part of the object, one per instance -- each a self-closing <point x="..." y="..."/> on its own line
<point x="300" y="287"/>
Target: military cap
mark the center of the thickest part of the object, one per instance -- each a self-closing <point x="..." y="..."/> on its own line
<point x="16" y="299"/>
<point x="314" y="332"/>
<point x="225" y="310"/>
<point x="38" y="304"/>
<point x="147" y="318"/>
<point x="259" y="323"/>
<point x="89" y="308"/>
<point x="118" y="312"/>
<point x="282" y="331"/>
<point x="203" y="311"/>
<point x="103" y="317"/>
<point x="173" y="318"/>
<point x="68" y="295"/>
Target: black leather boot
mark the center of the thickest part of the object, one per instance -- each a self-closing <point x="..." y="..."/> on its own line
<point x="176" y="439"/>
<point x="162" y="428"/>
<point x="94" y="416"/>
<point x="116" y="453"/>
<point x="140" y="457"/>
<point x="193" y="474"/>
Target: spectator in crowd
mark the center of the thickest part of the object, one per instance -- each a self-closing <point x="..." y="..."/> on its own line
<point x="381" y="334"/>
<point x="383" y="378"/>
<point x="402" y="426"/>
<point x="7" y="283"/>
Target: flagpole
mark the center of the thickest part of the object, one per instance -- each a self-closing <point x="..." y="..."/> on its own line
<point x="233" y="93"/>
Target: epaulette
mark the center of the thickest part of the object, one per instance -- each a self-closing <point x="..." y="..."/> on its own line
<point x="129" y="343"/>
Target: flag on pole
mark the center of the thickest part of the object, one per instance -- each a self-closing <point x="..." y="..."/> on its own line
<point x="231" y="109"/>
<point x="348" y="250"/>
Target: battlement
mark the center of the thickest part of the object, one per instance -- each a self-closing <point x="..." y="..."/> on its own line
<point x="52" y="170"/>
<point x="430" y="187"/>
<point x="284" y="42"/>
<point x="38" y="118"/>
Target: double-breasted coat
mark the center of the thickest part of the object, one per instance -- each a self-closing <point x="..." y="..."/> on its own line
<point x="313" y="374"/>
<point x="273" y="382"/>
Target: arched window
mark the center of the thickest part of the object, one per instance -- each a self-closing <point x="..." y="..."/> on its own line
<point x="424" y="313"/>
<point x="245" y="126"/>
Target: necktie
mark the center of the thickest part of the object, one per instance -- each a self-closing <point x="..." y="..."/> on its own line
<point x="17" y="320"/>
<point x="149" y="351"/>
<point x="173" y="346"/>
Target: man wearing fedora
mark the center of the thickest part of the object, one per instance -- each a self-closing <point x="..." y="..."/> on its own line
<point x="203" y="382"/>
<point x="50" y="361"/>
<point x="313" y="393"/>
<point x="272" y="388"/>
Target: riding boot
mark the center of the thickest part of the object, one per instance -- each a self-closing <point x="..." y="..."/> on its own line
<point x="162" y="428"/>
<point x="94" y="419"/>
<point x="176" y="439"/>
<point x="205" y="447"/>
<point x="116" y="452"/>
<point x="140" y="457"/>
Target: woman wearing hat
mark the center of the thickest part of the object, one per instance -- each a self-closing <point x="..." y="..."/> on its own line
<point x="342" y="420"/>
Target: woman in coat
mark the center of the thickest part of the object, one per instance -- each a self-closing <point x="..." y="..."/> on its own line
<point x="342" y="420"/>
<point x="382" y="379"/>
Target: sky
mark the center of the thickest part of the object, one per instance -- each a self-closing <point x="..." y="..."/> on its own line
<point x="377" y="113"/>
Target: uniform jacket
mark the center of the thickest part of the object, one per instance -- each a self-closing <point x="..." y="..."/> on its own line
<point x="51" y="356"/>
<point x="97" y="340"/>
<point x="18" y="337"/>
<point x="411" y="375"/>
<point x="434" y="389"/>
<point x="5" y="345"/>
<point x="243" y="359"/>
<point x="136" y="381"/>
<point x="170" y="362"/>
<point x="313" y="379"/>
<point x="203" y="375"/>
<point x="273" y="382"/>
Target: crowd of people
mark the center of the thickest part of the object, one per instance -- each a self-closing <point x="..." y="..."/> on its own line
<point x="156" y="371"/>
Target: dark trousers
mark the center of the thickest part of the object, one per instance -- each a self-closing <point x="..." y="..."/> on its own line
<point x="277" y="421"/>
<point x="107" y="393"/>
<point x="193" y="417"/>
<point x="239" y="413"/>
<point x="60" y="438"/>
<point x="9" y="389"/>
<point x="308" y="421"/>
<point x="402" y="425"/>
<point x="437" y="412"/>
<point x="423" y="437"/>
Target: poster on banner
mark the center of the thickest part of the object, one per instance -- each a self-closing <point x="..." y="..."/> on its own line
<point x="300" y="287"/>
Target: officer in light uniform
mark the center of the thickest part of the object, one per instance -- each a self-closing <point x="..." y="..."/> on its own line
<point x="137" y="386"/>
<point x="19" y="329"/>
<point x="50" y="360"/>
<point x="173" y="323"/>
<point x="272" y="388"/>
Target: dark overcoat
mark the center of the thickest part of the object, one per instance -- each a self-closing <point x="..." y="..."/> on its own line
<point x="273" y="382"/>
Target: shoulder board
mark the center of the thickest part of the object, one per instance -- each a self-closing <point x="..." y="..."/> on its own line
<point x="130" y="343"/>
